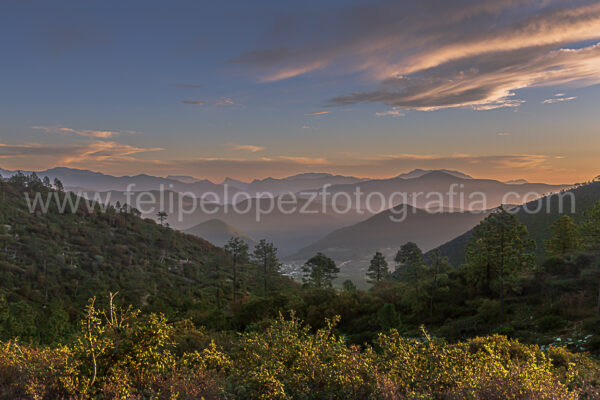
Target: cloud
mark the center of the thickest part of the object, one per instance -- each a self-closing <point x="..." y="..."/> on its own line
<point x="317" y="113"/>
<point x="490" y="85"/>
<point x="194" y="102"/>
<point x="394" y="112"/>
<point x="225" y="102"/>
<point x="76" y="154"/>
<point x="474" y="54"/>
<point x="306" y="127"/>
<point x="100" y="134"/>
<point x="557" y="99"/>
<point x="188" y="86"/>
<point x="504" y="134"/>
<point x="245" y="147"/>
<point x="305" y="160"/>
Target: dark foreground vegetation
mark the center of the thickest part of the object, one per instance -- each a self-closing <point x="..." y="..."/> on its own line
<point x="207" y="322"/>
<point x="122" y="354"/>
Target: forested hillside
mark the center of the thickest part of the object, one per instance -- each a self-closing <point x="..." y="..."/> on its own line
<point x="52" y="263"/>
<point x="538" y="223"/>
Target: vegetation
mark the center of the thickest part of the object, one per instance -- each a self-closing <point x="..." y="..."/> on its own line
<point x="123" y="354"/>
<point x="319" y="271"/>
<point x="213" y="323"/>
<point x="378" y="269"/>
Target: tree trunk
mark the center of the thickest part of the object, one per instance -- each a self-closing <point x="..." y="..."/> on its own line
<point x="265" y="276"/>
<point x="234" y="282"/>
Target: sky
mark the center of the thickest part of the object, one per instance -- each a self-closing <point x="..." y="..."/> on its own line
<point x="502" y="89"/>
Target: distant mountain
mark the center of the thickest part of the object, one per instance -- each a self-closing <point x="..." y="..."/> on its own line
<point x="293" y="184"/>
<point x="517" y="181"/>
<point x="291" y="226"/>
<point x="78" y="179"/>
<point x="183" y="178"/>
<point x="381" y="231"/>
<point x="438" y="188"/>
<point x="219" y="232"/>
<point x="538" y="223"/>
<point x="235" y="183"/>
<point x="417" y="173"/>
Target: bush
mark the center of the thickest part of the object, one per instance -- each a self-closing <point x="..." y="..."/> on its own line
<point x="121" y="354"/>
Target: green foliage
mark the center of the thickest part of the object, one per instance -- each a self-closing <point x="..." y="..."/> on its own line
<point x="410" y="263"/>
<point x="319" y="271"/>
<point x="590" y="227"/>
<point x="498" y="251"/>
<point x="265" y="257"/>
<point x="565" y="237"/>
<point x="122" y="354"/>
<point x="52" y="262"/>
<point x="378" y="269"/>
<point x="237" y="249"/>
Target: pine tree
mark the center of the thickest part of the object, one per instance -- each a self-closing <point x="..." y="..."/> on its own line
<point x="498" y="249"/>
<point x="565" y="237"/>
<point x="162" y="216"/>
<point x="590" y="227"/>
<point x="410" y="265"/>
<point x="58" y="185"/>
<point x="378" y="269"/>
<point x="319" y="271"/>
<point x="238" y="251"/>
<point x="265" y="256"/>
<point x="438" y="278"/>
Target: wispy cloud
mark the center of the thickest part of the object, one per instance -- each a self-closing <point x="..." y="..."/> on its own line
<point x="72" y="154"/>
<point x="558" y="98"/>
<point x="504" y="134"/>
<point x="314" y="113"/>
<point x="245" y="147"/>
<point x="474" y="54"/>
<point x="305" y="160"/>
<point x="225" y="102"/>
<point x="194" y="102"/>
<point x="100" y="134"/>
<point x="394" y="112"/>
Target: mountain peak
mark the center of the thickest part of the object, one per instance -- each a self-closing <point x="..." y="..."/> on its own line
<point x="417" y="173"/>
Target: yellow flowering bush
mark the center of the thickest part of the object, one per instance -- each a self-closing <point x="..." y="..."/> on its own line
<point x="121" y="354"/>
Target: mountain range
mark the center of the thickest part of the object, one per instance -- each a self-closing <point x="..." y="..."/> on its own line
<point x="319" y="226"/>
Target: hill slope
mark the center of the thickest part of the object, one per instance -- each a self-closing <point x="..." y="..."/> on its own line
<point x="57" y="261"/>
<point x="538" y="223"/>
<point x="219" y="232"/>
<point x="382" y="231"/>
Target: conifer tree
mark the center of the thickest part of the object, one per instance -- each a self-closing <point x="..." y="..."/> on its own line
<point x="238" y="251"/>
<point x="498" y="249"/>
<point x="319" y="271"/>
<point x="265" y="257"/>
<point x="378" y="269"/>
<point x="565" y="237"/>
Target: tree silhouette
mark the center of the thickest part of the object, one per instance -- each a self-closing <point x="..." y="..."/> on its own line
<point x="378" y="269"/>
<point x="565" y="237"/>
<point x="238" y="251"/>
<point x="319" y="271"/>
<point x="410" y="265"/>
<point x="590" y="227"/>
<point x="499" y="248"/>
<point x="265" y="256"/>
<point x="161" y="217"/>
